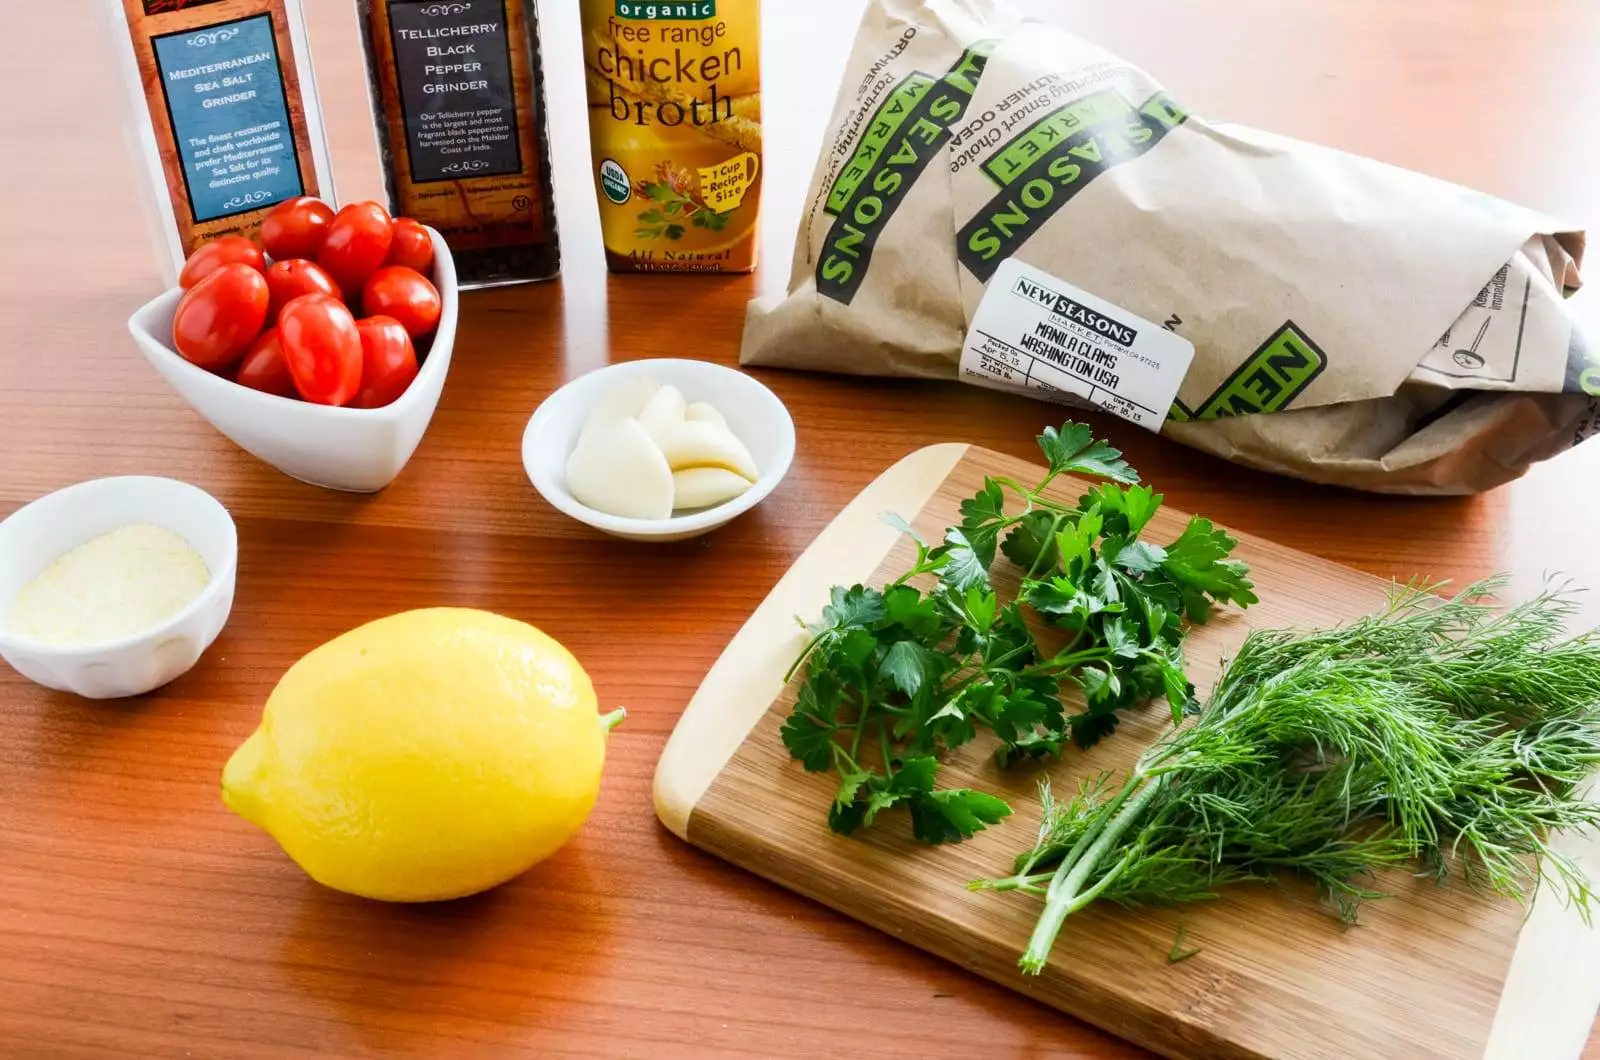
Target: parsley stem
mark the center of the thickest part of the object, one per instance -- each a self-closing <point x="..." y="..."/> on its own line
<point x="923" y="566"/>
<point x="804" y="655"/>
<point x="840" y="752"/>
<point x="1016" y="487"/>
<point x="884" y="746"/>
<point x="862" y="714"/>
<point x="1049" y="543"/>
<point x="1060" y="663"/>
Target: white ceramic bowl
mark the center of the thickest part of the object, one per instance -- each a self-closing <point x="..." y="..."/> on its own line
<point x="37" y="535"/>
<point x="754" y="414"/>
<point x="356" y="450"/>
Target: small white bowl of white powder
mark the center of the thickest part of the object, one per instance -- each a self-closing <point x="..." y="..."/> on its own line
<point x="114" y="587"/>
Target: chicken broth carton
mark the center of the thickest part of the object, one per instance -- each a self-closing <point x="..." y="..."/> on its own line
<point x="675" y="122"/>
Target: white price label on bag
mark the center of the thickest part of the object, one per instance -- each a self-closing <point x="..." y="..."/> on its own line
<point x="1042" y="336"/>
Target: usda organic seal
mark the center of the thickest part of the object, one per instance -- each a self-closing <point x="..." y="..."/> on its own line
<point x="614" y="182"/>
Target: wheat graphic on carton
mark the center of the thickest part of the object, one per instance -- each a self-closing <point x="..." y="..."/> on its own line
<point x="675" y="122"/>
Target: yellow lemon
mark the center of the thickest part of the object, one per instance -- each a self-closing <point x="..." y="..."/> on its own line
<point x="426" y="756"/>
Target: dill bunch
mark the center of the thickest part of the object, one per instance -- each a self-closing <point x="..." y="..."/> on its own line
<point x="1442" y="733"/>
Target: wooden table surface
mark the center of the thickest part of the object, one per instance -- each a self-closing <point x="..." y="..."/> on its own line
<point x="138" y="917"/>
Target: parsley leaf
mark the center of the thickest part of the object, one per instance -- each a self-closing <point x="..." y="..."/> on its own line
<point x="1198" y="564"/>
<point x="951" y="816"/>
<point x="951" y="725"/>
<point x="964" y="566"/>
<point x="981" y="606"/>
<point x="847" y="819"/>
<point x="854" y="648"/>
<point x="983" y="518"/>
<point x="1128" y="511"/>
<point x="850" y="786"/>
<point x="905" y="607"/>
<point x="1090" y="729"/>
<point x="810" y="740"/>
<point x="1139" y="557"/>
<point x="1073" y="450"/>
<point x="916" y="776"/>
<point x="1122" y="639"/>
<point x="1031" y="543"/>
<point x="910" y="667"/>
<point x="856" y="606"/>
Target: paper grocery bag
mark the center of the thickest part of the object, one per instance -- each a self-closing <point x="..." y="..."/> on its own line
<point x="1351" y="322"/>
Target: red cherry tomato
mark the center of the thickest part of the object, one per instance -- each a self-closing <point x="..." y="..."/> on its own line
<point x="219" y="252"/>
<point x="388" y="362"/>
<point x="288" y="280"/>
<point x="296" y="228"/>
<point x="406" y="295"/>
<point x="412" y="247"/>
<point x="220" y="317"/>
<point x="322" y="348"/>
<point x="264" y="368"/>
<point x="358" y="243"/>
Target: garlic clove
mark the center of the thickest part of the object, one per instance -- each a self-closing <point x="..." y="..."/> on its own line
<point x="701" y="412"/>
<point x="616" y="469"/>
<point x="626" y="400"/>
<point x="701" y="444"/>
<point x="706" y="487"/>
<point x="664" y="411"/>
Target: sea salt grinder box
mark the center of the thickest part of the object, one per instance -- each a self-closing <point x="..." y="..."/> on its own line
<point x="222" y="116"/>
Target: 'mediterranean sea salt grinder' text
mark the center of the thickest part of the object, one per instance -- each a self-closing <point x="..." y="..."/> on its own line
<point x="223" y="115"/>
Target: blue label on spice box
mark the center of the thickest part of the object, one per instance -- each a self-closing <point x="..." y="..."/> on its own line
<point x="230" y="116"/>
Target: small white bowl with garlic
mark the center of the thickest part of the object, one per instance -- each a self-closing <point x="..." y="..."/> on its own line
<point x="659" y="450"/>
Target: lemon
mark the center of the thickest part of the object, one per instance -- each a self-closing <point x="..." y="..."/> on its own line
<point x="426" y="756"/>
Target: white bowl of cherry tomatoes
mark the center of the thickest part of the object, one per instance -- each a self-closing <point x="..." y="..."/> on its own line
<point x="323" y="349"/>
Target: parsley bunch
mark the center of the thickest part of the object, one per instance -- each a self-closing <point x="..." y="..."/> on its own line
<point x="897" y="675"/>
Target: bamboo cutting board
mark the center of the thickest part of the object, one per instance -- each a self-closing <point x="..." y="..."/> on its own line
<point x="1427" y="973"/>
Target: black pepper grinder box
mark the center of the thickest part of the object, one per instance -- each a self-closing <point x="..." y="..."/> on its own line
<point x="459" y="107"/>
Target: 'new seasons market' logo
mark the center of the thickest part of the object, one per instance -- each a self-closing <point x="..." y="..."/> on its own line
<point x="1277" y="373"/>
<point x="695" y="11"/>
<point x="1054" y="159"/>
<point x="907" y="132"/>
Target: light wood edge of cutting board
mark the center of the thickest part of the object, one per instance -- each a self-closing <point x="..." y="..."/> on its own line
<point x="742" y="685"/>
<point x="1552" y="991"/>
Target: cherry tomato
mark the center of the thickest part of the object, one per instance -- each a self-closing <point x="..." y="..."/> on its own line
<point x="388" y="362"/>
<point x="217" y="253"/>
<point x="220" y="317"/>
<point x="322" y="348"/>
<point x="358" y="242"/>
<point x="288" y="280"/>
<point x="264" y="368"/>
<point x="296" y="228"/>
<point x="406" y="295"/>
<point x="412" y="246"/>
